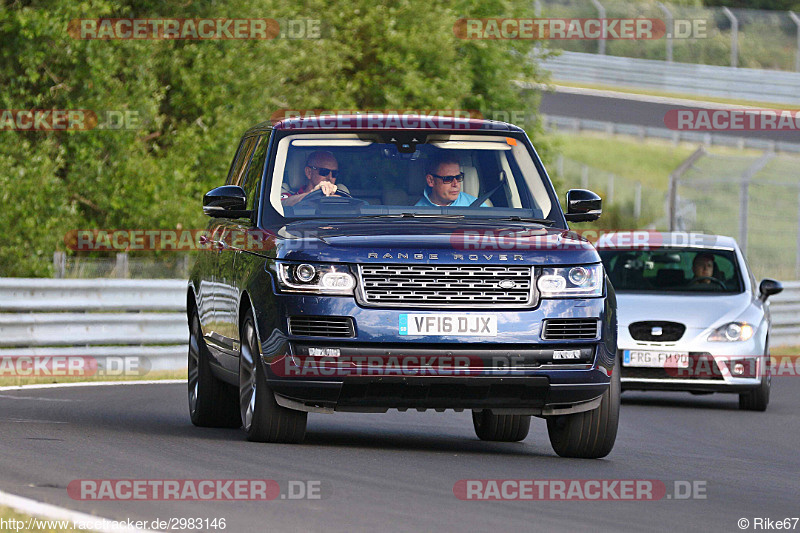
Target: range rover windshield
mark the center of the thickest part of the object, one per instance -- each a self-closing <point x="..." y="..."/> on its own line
<point x="408" y="174"/>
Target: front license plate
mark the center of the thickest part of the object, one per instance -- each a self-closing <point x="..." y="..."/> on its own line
<point x="449" y="324"/>
<point x="653" y="359"/>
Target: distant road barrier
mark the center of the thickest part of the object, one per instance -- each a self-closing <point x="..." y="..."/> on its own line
<point x="785" y="308"/>
<point x="677" y="78"/>
<point x="95" y="318"/>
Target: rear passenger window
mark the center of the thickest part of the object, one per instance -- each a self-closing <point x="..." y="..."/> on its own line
<point x="254" y="171"/>
<point x="236" y="174"/>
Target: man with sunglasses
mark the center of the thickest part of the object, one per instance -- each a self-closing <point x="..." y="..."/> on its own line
<point x="444" y="180"/>
<point x="321" y="171"/>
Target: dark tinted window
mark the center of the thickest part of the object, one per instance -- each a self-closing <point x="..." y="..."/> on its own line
<point x="673" y="270"/>
<point x="255" y="170"/>
<point x="236" y="174"/>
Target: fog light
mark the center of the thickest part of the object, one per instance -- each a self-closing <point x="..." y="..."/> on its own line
<point x="738" y="369"/>
<point x="305" y="273"/>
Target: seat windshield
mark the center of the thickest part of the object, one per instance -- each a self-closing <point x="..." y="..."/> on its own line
<point x="407" y="174"/>
<point x="684" y="270"/>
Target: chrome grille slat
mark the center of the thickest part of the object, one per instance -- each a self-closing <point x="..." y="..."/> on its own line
<point x="443" y="285"/>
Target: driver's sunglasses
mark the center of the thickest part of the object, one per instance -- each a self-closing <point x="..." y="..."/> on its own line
<point x="448" y="179"/>
<point x="325" y="171"/>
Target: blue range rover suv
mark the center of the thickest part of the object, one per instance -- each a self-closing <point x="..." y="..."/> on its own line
<point x="373" y="262"/>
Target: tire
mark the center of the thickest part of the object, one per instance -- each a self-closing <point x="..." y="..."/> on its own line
<point x="261" y="417"/>
<point x="591" y="434"/>
<point x="500" y="428"/>
<point x="756" y="399"/>
<point x="212" y="403"/>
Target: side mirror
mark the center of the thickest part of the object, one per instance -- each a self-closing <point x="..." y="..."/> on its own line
<point x="228" y="201"/>
<point x="768" y="287"/>
<point x="583" y="206"/>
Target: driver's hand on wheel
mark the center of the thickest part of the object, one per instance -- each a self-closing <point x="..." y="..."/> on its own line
<point x="328" y="188"/>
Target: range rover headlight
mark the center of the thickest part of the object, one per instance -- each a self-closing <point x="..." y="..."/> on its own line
<point x="732" y="332"/>
<point x="316" y="278"/>
<point x="583" y="281"/>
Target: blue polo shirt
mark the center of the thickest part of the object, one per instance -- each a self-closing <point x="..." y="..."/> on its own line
<point x="463" y="200"/>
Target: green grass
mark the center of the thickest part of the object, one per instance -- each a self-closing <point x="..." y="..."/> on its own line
<point x="650" y="161"/>
<point x="784" y="350"/>
<point x="32" y="380"/>
<point x="6" y="513"/>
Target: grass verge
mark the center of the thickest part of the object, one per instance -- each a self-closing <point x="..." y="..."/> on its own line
<point x="34" y="525"/>
<point x="10" y="381"/>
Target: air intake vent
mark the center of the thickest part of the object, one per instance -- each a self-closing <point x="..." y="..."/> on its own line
<point x="570" y="328"/>
<point x="656" y="331"/>
<point x="322" y="326"/>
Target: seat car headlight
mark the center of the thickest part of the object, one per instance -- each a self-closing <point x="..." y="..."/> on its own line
<point x="732" y="332"/>
<point x="316" y="278"/>
<point x="571" y="282"/>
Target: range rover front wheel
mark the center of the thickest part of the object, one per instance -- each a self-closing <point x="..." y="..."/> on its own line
<point x="591" y="434"/>
<point x="262" y="418"/>
<point x="212" y="403"/>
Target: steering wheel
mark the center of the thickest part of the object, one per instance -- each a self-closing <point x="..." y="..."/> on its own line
<point x="318" y="196"/>
<point x="699" y="280"/>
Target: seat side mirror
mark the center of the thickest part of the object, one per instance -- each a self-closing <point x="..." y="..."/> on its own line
<point x="583" y="206"/>
<point x="768" y="287"/>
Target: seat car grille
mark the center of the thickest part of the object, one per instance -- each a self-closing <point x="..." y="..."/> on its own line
<point x="648" y="331"/>
<point x="570" y="328"/>
<point x="446" y="285"/>
<point x="322" y="326"/>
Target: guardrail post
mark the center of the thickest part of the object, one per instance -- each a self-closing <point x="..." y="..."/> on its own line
<point x="537" y="8"/>
<point x="637" y="200"/>
<point x="60" y="265"/>
<point x="734" y="36"/>
<point x="601" y="13"/>
<point x="584" y="177"/>
<point x="560" y="166"/>
<point x="669" y="26"/>
<point x="796" y="20"/>
<point x="122" y="265"/>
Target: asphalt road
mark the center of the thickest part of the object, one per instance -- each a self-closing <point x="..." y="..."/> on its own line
<point x="396" y="471"/>
<point x="640" y="113"/>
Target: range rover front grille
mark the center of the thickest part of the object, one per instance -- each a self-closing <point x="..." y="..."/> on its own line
<point x="446" y="285"/>
<point x="570" y="328"/>
<point x="322" y="326"/>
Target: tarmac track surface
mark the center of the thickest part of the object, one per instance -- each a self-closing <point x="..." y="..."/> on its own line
<point x="396" y="471"/>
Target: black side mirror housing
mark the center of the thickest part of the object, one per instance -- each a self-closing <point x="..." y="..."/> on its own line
<point x="583" y="206"/>
<point x="228" y="201"/>
<point x="768" y="287"/>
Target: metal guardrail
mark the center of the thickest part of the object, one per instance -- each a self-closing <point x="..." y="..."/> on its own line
<point x="785" y="309"/>
<point x="676" y="136"/>
<point x="96" y="318"/>
<point x="679" y="78"/>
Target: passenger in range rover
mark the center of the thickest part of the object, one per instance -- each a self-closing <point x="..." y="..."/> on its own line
<point x="444" y="179"/>
<point x="366" y="303"/>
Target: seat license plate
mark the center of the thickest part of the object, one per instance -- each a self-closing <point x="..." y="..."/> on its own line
<point x="653" y="359"/>
<point x="449" y="324"/>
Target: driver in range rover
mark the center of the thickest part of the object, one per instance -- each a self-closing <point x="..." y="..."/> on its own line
<point x="321" y="170"/>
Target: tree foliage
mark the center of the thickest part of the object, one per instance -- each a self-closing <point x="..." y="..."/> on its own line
<point x="195" y="98"/>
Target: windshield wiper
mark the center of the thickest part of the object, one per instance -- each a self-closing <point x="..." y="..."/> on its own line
<point x="542" y="221"/>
